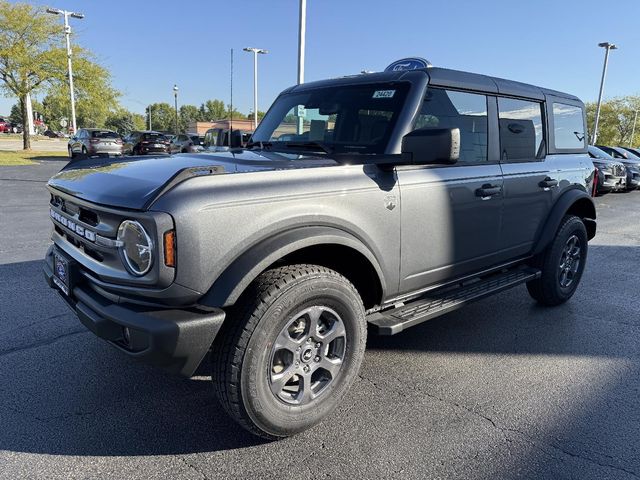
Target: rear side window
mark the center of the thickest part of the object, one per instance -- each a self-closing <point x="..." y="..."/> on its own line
<point x="521" y="130"/>
<point x="466" y="111"/>
<point x="568" y="126"/>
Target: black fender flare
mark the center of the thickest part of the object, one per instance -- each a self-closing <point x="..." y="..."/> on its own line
<point x="228" y="287"/>
<point x="568" y="201"/>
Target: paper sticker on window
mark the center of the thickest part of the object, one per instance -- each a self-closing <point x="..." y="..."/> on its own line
<point x="300" y="111"/>
<point x="383" y="93"/>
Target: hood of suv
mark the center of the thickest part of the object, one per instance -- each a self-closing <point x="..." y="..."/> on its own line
<point x="135" y="182"/>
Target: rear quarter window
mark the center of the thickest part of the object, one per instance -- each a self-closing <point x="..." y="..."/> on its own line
<point x="568" y="126"/>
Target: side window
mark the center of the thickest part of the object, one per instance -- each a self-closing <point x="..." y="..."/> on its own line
<point x="466" y="111"/>
<point x="568" y="126"/>
<point x="521" y="130"/>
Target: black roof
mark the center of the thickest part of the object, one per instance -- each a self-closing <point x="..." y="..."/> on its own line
<point x="448" y="78"/>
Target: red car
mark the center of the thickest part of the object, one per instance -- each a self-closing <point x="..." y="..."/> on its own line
<point x="5" y="126"/>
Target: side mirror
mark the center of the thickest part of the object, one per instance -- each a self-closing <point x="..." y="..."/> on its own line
<point x="431" y="146"/>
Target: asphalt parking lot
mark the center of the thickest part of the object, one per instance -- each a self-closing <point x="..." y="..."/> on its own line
<point x="501" y="389"/>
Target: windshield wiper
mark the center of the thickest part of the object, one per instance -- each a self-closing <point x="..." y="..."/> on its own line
<point x="311" y="145"/>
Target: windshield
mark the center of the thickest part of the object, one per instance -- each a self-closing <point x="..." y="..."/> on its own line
<point x="595" y="152"/>
<point x="339" y="119"/>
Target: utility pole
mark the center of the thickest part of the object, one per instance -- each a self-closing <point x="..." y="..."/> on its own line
<point x="255" y="51"/>
<point x="175" y="97"/>
<point x="302" y="29"/>
<point x="607" y="46"/>
<point x="633" y="130"/>
<point x="67" y="34"/>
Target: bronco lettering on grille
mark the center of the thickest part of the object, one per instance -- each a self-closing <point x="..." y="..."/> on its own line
<point x="73" y="226"/>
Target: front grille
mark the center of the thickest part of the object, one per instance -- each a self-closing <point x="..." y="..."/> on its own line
<point x="619" y="170"/>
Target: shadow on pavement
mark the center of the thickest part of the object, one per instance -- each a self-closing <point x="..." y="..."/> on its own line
<point x="69" y="393"/>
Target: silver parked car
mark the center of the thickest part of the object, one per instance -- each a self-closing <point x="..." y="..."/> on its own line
<point x="94" y="141"/>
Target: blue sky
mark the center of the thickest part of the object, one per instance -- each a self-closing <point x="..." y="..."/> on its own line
<point x="150" y="45"/>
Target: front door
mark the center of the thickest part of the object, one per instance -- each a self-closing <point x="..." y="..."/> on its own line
<point x="451" y="214"/>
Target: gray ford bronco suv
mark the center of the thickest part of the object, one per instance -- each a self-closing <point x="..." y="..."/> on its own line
<point x="366" y="203"/>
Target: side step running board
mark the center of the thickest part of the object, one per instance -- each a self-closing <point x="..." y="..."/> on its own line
<point x="439" y="302"/>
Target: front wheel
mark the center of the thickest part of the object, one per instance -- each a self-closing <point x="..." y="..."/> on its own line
<point x="562" y="264"/>
<point x="290" y="350"/>
<point x="71" y="154"/>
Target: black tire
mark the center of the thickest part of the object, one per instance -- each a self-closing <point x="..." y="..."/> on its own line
<point x="551" y="289"/>
<point x="71" y="154"/>
<point x="85" y="154"/>
<point x="243" y="352"/>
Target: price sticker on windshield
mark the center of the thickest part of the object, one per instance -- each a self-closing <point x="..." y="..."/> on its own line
<point x="383" y="93"/>
<point x="301" y="111"/>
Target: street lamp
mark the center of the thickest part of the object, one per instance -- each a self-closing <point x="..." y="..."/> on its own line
<point x="175" y="97"/>
<point x="607" y="46"/>
<point x="255" y="51"/>
<point x="67" y="34"/>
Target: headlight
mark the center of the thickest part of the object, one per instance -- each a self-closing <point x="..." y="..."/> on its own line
<point x="137" y="247"/>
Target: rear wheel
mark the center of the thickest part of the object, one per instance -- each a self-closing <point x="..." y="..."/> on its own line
<point x="71" y="154"/>
<point x="562" y="264"/>
<point x="290" y="350"/>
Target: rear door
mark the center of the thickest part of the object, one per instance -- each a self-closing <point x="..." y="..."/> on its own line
<point x="451" y="214"/>
<point x="528" y="180"/>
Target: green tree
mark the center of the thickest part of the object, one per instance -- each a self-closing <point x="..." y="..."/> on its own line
<point x="96" y="99"/>
<point x="29" y="53"/>
<point x="188" y="114"/>
<point x="16" y="112"/>
<point x="260" y="115"/>
<point x="212" y="110"/>
<point x="616" y="120"/>
<point x="163" y="117"/>
<point x="124" y="121"/>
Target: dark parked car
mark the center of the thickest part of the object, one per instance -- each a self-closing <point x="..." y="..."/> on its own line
<point x="631" y="163"/>
<point x="142" y="143"/>
<point x="612" y="174"/>
<point x="95" y="141"/>
<point x="51" y="134"/>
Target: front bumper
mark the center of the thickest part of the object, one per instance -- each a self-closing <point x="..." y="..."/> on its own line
<point x="174" y="339"/>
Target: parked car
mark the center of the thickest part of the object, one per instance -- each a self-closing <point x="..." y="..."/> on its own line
<point x="220" y="140"/>
<point x="95" y="141"/>
<point x="631" y="163"/>
<point x="612" y="175"/>
<point x="16" y="128"/>
<point x="51" y="134"/>
<point x="145" y="142"/>
<point x="435" y="188"/>
<point x="635" y="151"/>
<point x="180" y="143"/>
<point x="197" y="143"/>
<point x="5" y="126"/>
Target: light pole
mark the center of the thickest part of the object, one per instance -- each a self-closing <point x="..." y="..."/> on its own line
<point x="67" y="34"/>
<point x="255" y="51"/>
<point x="633" y="130"/>
<point x="149" y="111"/>
<point x="302" y="29"/>
<point x="175" y="97"/>
<point x="607" y="46"/>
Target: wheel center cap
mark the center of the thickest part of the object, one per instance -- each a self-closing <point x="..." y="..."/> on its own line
<point x="307" y="355"/>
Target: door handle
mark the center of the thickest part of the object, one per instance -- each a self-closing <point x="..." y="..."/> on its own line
<point x="548" y="183"/>
<point x="487" y="191"/>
